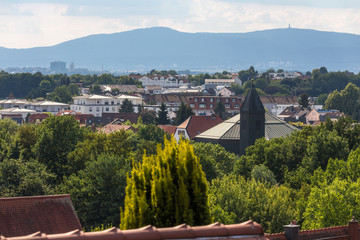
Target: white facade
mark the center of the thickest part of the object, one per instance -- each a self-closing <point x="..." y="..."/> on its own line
<point x="163" y="81"/>
<point x="223" y="82"/>
<point x="16" y="111"/>
<point x="97" y="104"/>
<point x="41" y="106"/>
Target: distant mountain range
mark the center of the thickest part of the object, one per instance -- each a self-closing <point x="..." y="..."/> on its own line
<point x="165" y="48"/>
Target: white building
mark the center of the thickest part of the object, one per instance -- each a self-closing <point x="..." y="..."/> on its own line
<point x="38" y="106"/>
<point x="98" y="104"/>
<point x="163" y="81"/>
<point x="23" y="112"/>
<point x="212" y="83"/>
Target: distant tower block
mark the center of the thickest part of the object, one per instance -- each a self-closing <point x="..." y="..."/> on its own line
<point x="72" y="67"/>
<point x="58" y="67"/>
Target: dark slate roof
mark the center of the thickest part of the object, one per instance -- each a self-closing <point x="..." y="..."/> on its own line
<point x="48" y="214"/>
<point x="230" y="129"/>
<point x="252" y="102"/>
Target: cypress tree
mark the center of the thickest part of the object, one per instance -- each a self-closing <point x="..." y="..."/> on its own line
<point x="167" y="189"/>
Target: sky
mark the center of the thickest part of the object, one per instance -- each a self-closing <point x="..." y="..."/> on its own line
<point x="32" y="23"/>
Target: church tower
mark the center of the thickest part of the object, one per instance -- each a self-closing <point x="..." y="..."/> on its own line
<point x="252" y="119"/>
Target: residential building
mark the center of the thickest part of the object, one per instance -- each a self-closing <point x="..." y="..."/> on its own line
<point x="37" y="118"/>
<point x="225" y="91"/>
<point x="295" y="114"/>
<point x="195" y="125"/>
<point x="38" y="106"/>
<point x="17" y="114"/>
<point x="168" y="129"/>
<point x="212" y="83"/>
<point x="110" y="128"/>
<point x="99" y="104"/>
<point x="153" y="89"/>
<point x="276" y="104"/>
<point x="283" y="75"/>
<point x="204" y="105"/>
<point x="121" y="89"/>
<point x="163" y="81"/>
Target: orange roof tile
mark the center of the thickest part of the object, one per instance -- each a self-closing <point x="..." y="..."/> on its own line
<point x="168" y="128"/>
<point x="245" y="231"/>
<point x="195" y="125"/>
<point x="114" y="127"/>
<point x="26" y="215"/>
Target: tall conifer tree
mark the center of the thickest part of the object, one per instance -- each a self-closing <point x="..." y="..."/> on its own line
<point x="167" y="189"/>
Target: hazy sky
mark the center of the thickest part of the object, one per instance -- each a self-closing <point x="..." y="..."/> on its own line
<point x="29" y="23"/>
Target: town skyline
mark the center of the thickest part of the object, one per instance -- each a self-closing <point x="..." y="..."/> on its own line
<point x="35" y="23"/>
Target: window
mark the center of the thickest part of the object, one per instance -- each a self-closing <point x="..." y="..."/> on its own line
<point x="195" y="99"/>
<point x="181" y="132"/>
<point x="211" y="99"/>
<point x="202" y="105"/>
<point x="97" y="101"/>
<point x="227" y="105"/>
<point x="226" y="100"/>
<point x="97" y="109"/>
<point x="237" y="106"/>
<point x="107" y="109"/>
<point x="211" y="105"/>
<point x="112" y="102"/>
<point x="191" y="105"/>
<point x="234" y="100"/>
<point x="218" y="99"/>
<point x="113" y="108"/>
<point x="90" y="109"/>
<point x="202" y="99"/>
<point x="106" y="102"/>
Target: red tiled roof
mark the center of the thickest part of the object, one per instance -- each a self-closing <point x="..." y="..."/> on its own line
<point x="195" y="125"/>
<point x="33" y="117"/>
<point x="245" y="231"/>
<point x="168" y="128"/>
<point x="279" y="99"/>
<point x="115" y="127"/>
<point x="48" y="214"/>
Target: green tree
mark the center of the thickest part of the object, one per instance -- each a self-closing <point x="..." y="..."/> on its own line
<point x="57" y="137"/>
<point x="263" y="174"/>
<point x="234" y="200"/>
<point x="162" y="117"/>
<point x="98" y="191"/>
<point x="167" y="189"/>
<point x="183" y="113"/>
<point x="148" y="116"/>
<point x="96" y="89"/>
<point x="215" y="160"/>
<point x="304" y="100"/>
<point x="24" y="178"/>
<point x="332" y="205"/>
<point x="126" y="106"/>
<point x="321" y="99"/>
<point x="219" y="109"/>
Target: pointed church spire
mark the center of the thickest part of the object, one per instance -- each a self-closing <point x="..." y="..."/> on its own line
<point x="252" y="102"/>
<point x="252" y="119"/>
